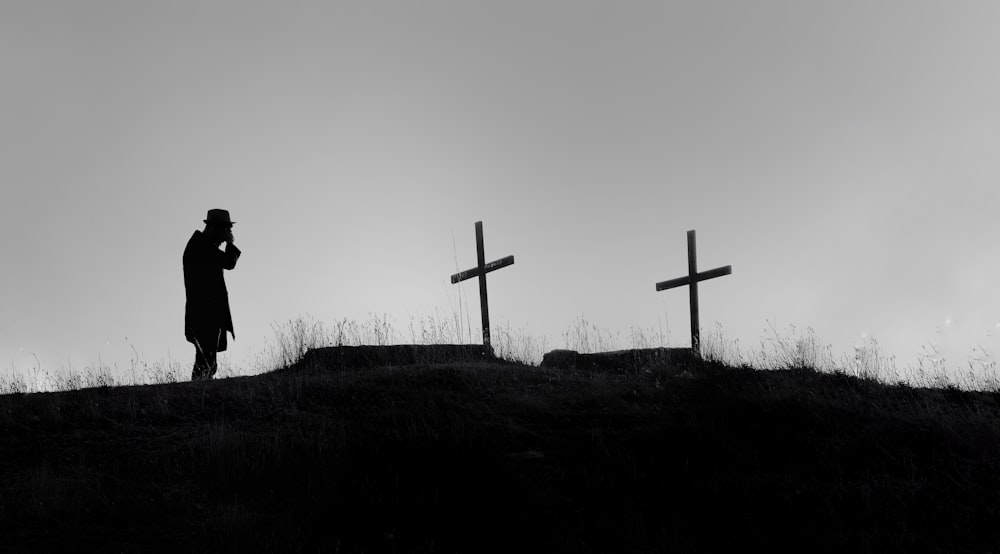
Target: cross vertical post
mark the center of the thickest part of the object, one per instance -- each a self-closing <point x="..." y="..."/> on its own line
<point x="481" y="269"/>
<point x="693" y="293"/>
<point x="691" y="280"/>
<point x="484" y="305"/>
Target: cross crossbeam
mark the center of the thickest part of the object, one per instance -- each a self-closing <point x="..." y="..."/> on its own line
<point x="691" y="281"/>
<point x="703" y="276"/>
<point x="480" y="271"/>
<point x="474" y="272"/>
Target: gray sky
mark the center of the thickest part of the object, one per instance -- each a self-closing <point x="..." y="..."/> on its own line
<point x="842" y="156"/>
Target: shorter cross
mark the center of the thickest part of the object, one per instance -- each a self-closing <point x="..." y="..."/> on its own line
<point x="481" y="269"/>
<point x="691" y="280"/>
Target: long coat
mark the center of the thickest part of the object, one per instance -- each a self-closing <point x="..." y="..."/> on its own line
<point x="206" y="313"/>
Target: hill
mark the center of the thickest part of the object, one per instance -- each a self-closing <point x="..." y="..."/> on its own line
<point x="481" y="456"/>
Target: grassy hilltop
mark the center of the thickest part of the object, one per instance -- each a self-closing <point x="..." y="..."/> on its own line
<point x="495" y="457"/>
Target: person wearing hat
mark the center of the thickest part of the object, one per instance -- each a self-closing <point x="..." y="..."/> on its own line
<point x="207" y="317"/>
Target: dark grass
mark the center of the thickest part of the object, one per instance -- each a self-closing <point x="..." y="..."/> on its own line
<point x="502" y="458"/>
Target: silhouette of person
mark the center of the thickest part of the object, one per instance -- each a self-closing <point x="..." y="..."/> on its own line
<point x="207" y="317"/>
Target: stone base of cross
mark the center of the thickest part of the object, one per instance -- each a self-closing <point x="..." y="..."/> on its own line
<point x="692" y="279"/>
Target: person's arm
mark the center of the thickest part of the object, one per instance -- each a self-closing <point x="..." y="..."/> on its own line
<point x="230" y="256"/>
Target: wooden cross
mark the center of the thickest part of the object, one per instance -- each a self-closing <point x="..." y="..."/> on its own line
<point x="691" y="280"/>
<point x="480" y="271"/>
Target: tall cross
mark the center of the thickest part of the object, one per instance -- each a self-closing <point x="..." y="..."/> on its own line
<point x="480" y="271"/>
<point x="691" y="280"/>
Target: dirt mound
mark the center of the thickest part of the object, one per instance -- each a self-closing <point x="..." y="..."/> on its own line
<point x="341" y="357"/>
<point x="618" y="360"/>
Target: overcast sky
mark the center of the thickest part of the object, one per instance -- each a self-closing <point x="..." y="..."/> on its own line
<point x="841" y="156"/>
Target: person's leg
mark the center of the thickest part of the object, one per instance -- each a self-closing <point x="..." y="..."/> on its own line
<point x="212" y="357"/>
<point x="200" y="369"/>
<point x="212" y="364"/>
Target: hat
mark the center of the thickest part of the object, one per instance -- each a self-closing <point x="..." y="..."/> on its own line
<point x="219" y="216"/>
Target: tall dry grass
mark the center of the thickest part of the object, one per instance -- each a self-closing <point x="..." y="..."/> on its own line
<point x="791" y="348"/>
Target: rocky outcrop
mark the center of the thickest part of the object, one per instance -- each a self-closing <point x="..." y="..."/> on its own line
<point x="344" y="357"/>
<point x="619" y="360"/>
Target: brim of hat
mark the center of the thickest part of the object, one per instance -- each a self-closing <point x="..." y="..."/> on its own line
<point x="224" y="222"/>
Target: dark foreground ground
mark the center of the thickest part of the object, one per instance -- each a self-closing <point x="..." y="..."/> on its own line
<point x="496" y="458"/>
